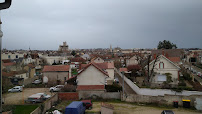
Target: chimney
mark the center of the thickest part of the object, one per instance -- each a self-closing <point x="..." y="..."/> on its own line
<point x="163" y="52"/>
<point x="154" y="56"/>
<point x="166" y="55"/>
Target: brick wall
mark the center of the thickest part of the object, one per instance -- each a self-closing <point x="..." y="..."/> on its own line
<point x="68" y="96"/>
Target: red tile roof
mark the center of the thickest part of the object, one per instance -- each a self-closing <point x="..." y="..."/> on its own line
<point x="31" y="65"/>
<point x="174" y="59"/>
<point x="90" y="87"/>
<point x="7" y="74"/>
<point x="56" y="68"/>
<point x="9" y="64"/>
<point x="123" y="69"/>
<point x="6" y="60"/>
<point x="78" y="59"/>
<point x="83" y="66"/>
<point x="95" y="67"/>
<point x="105" y="65"/>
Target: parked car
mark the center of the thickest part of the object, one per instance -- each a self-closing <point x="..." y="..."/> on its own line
<point x="35" y="98"/>
<point x="44" y="95"/>
<point x="16" y="89"/>
<point x="199" y="74"/>
<point x="57" y="88"/>
<point x="76" y="107"/>
<point x="36" y="82"/>
<point x="88" y="104"/>
<point x="167" y="112"/>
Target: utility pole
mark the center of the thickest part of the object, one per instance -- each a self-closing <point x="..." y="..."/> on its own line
<point x="4" y="5"/>
<point x="123" y="83"/>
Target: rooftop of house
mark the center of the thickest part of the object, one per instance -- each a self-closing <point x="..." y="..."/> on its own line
<point x="13" y="73"/>
<point x="123" y="69"/>
<point x="168" y="52"/>
<point x="56" y="68"/>
<point x="31" y="65"/>
<point x="96" y="66"/>
<point x="9" y="64"/>
<point x="105" y="65"/>
<point x="78" y="59"/>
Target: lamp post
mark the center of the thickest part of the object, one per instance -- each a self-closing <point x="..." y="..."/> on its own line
<point x="4" y="5"/>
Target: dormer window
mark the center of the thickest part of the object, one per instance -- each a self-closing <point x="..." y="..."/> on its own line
<point x="161" y="65"/>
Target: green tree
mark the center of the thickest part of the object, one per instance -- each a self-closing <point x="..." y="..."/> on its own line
<point x="166" y="45"/>
<point x="73" y="53"/>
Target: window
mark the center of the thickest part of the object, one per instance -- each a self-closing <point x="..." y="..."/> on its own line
<point x="16" y="56"/>
<point x="9" y="56"/>
<point x="161" y="65"/>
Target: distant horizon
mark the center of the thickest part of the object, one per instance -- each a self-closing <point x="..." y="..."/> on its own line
<point x="92" y="48"/>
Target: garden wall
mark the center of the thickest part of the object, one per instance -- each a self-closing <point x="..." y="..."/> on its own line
<point x="101" y="94"/>
<point x="166" y="99"/>
<point x="68" y="96"/>
<point x="156" y="92"/>
<point x="46" y="105"/>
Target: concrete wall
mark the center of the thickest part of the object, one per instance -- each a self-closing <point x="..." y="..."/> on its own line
<point x="166" y="99"/>
<point x="91" y="76"/>
<point x="54" y="76"/>
<point x="156" y="92"/>
<point x="102" y="94"/>
<point x="46" y="105"/>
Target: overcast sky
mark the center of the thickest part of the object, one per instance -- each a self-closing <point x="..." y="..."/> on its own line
<point x="45" y="24"/>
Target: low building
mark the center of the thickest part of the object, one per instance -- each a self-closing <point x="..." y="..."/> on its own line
<point x="57" y="74"/>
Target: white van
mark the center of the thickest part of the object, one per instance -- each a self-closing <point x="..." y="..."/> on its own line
<point x="16" y="89"/>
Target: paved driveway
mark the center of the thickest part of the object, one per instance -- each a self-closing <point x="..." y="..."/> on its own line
<point x="19" y="97"/>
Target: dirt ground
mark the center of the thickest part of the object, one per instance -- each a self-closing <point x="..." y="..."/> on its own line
<point x="125" y="108"/>
<point x="18" y="98"/>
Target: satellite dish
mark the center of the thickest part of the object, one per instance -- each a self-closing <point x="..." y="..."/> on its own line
<point x="45" y="79"/>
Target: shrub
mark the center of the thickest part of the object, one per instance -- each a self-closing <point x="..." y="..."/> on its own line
<point x="182" y="83"/>
<point x="69" y="88"/>
<point x="113" y="88"/>
<point x="186" y="76"/>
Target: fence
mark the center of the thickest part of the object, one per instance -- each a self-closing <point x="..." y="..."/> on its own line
<point x="156" y="92"/>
